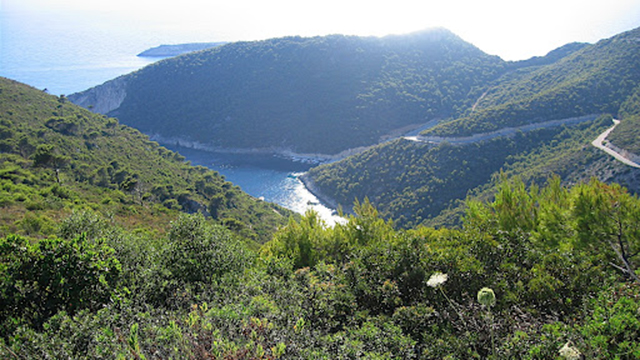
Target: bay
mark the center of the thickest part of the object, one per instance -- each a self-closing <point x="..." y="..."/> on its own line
<point x="266" y="177"/>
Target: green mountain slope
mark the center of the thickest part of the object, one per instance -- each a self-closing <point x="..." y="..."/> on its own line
<point x="551" y="57"/>
<point x="627" y="134"/>
<point x="327" y="94"/>
<point x="413" y="182"/>
<point x="56" y="157"/>
<point x="308" y="95"/>
<point x="593" y="80"/>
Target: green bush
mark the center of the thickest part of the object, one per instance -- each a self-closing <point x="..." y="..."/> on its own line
<point x="52" y="275"/>
<point x="611" y="331"/>
<point x="83" y="222"/>
<point x="200" y="252"/>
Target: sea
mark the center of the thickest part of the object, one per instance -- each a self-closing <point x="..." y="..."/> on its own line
<point x="64" y="56"/>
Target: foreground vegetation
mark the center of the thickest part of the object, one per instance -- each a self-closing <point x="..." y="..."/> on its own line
<point x="560" y="266"/>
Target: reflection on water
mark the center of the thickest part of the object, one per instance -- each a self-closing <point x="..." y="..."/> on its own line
<point x="263" y="176"/>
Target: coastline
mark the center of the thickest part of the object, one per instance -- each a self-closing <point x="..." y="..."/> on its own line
<point x="309" y="158"/>
<point x="178" y="49"/>
<point x="324" y="199"/>
<point x="287" y="153"/>
<point x="325" y="206"/>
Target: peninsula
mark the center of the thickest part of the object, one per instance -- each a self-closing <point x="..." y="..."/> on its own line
<point x="178" y="49"/>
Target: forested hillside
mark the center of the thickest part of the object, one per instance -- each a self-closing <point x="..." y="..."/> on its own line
<point x="309" y="95"/>
<point x="596" y="79"/>
<point x="413" y="182"/>
<point x="57" y="158"/>
<point x="627" y="134"/>
<point x="551" y="57"/>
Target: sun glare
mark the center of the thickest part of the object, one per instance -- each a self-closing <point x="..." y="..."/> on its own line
<point x="513" y="30"/>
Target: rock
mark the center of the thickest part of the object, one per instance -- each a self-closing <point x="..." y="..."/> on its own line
<point x="103" y="98"/>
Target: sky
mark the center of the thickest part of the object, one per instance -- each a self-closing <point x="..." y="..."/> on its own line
<point x="511" y="29"/>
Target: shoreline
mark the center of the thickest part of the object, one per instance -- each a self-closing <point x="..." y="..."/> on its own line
<point x="309" y="158"/>
<point x="324" y="199"/>
<point x="286" y="153"/>
<point x="301" y="175"/>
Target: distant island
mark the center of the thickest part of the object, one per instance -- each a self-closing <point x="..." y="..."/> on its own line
<point x="178" y="49"/>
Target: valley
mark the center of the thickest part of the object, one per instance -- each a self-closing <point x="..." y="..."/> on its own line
<point x="489" y="208"/>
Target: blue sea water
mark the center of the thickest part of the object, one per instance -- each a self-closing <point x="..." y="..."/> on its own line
<point x="271" y="178"/>
<point x="64" y="55"/>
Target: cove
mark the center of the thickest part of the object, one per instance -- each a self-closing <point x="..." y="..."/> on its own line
<point x="267" y="177"/>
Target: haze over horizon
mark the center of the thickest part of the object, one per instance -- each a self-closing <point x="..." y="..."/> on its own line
<point x="498" y="27"/>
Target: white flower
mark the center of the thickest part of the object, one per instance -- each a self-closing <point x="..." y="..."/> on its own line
<point x="569" y="352"/>
<point x="437" y="279"/>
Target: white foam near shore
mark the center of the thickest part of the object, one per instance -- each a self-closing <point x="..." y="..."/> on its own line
<point x="305" y="200"/>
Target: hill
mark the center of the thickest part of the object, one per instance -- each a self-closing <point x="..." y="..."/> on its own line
<point x="306" y="95"/>
<point x="329" y="94"/>
<point x="593" y="80"/>
<point x="413" y="182"/>
<point x="177" y="49"/>
<point x="56" y="158"/>
<point x="551" y="57"/>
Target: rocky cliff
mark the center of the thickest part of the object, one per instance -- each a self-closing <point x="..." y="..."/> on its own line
<point x="102" y="98"/>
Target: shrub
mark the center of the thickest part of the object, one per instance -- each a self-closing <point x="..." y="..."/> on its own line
<point x="199" y="252"/>
<point x="51" y="275"/>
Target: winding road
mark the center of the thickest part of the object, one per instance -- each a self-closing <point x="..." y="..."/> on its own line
<point x="599" y="143"/>
<point x="508" y="131"/>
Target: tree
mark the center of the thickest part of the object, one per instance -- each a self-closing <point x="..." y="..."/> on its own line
<point x="608" y="223"/>
<point x="45" y="156"/>
<point x="303" y="242"/>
